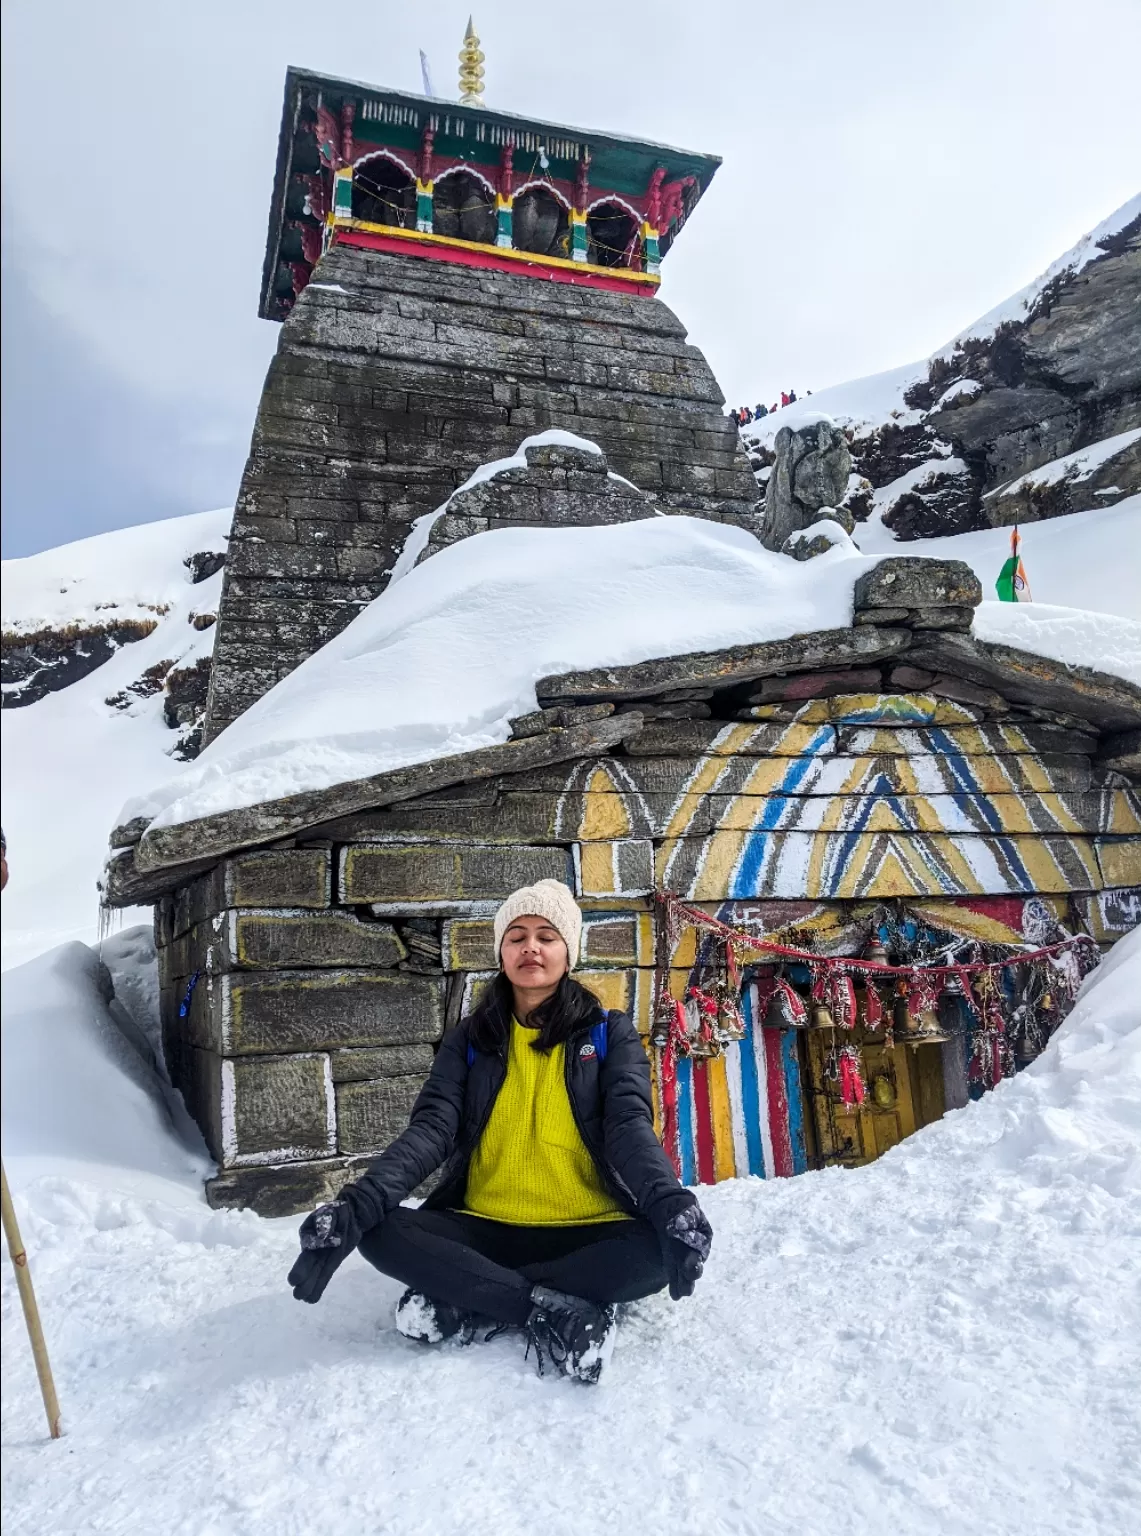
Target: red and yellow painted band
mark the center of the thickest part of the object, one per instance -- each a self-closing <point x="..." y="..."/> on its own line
<point x="498" y="252"/>
<point x="721" y="1116"/>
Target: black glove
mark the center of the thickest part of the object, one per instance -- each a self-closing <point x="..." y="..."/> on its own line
<point x="328" y="1236"/>
<point x="686" y="1240"/>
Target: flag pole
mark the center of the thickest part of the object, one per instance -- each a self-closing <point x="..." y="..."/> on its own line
<point x="31" y="1312"/>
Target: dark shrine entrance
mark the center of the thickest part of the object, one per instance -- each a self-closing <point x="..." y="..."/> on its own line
<point x="904" y="1090"/>
<point x="540" y="223"/>
<point x="463" y="207"/>
<point x="612" y="237"/>
<point x="384" y="193"/>
<point x="866" y="1022"/>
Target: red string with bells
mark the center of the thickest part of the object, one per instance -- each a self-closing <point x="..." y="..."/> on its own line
<point x="711" y="1017"/>
<point x="679" y="915"/>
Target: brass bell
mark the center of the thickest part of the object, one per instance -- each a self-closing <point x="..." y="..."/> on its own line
<point x="926" y="1029"/>
<point x="876" y="950"/>
<point x="660" y="1034"/>
<point x="820" y="1017"/>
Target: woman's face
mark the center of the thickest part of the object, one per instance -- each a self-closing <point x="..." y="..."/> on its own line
<point x="533" y="954"/>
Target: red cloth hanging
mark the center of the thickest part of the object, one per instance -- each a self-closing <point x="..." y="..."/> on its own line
<point x="851" y="1076"/>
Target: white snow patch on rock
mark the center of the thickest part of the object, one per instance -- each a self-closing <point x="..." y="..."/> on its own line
<point x="422" y="527"/>
<point x="1079" y="465"/>
<point x="916" y="479"/>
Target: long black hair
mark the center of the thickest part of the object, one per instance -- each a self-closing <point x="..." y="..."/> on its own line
<point x="570" y="1008"/>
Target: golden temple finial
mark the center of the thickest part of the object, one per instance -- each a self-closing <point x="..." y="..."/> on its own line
<point x="471" y="69"/>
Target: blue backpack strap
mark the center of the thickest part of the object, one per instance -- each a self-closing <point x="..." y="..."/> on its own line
<point x="470" y="1054"/>
<point x="598" y="1035"/>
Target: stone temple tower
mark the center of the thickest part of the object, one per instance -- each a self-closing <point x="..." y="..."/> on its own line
<point x="450" y="279"/>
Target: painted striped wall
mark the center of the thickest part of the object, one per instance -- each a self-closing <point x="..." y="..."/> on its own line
<point x="742" y="1113"/>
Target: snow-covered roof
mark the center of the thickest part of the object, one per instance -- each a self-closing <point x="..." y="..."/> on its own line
<point x="442" y="660"/>
<point x="440" y="663"/>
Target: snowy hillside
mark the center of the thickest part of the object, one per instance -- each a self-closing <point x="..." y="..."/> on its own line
<point x="70" y="756"/>
<point x="1030" y="412"/>
<point x="943" y="1343"/>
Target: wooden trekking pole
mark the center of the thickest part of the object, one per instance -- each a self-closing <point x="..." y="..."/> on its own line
<point x="31" y="1311"/>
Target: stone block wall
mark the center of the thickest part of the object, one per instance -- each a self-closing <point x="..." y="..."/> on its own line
<point x="796" y="789"/>
<point x="393" y="380"/>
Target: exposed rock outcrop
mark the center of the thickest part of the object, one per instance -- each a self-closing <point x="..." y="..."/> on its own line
<point x="47" y="660"/>
<point x="1075" y="483"/>
<point x="808" y="478"/>
<point x="958" y="450"/>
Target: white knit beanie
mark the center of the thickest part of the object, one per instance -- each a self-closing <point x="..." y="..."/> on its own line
<point x="549" y="899"/>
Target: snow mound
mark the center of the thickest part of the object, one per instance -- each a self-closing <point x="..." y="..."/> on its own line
<point x="1085" y="639"/>
<point x="944" y="1342"/>
<point x="475" y="627"/>
<point x="78" y="1097"/>
<point x="440" y="661"/>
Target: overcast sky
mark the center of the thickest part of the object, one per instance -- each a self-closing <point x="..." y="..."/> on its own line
<point x="893" y="168"/>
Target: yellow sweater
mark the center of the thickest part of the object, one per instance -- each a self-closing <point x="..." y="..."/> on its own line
<point x="531" y="1167"/>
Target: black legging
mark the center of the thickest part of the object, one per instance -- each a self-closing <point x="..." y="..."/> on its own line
<point x="489" y="1267"/>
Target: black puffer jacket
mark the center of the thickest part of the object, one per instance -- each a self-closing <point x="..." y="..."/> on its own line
<point x="612" y="1107"/>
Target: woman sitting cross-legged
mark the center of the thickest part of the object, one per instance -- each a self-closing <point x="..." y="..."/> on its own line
<point x="556" y="1199"/>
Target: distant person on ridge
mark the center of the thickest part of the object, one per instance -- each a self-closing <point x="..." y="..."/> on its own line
<point x="762" y="410"/>
<point x="557" y="1200"/>
<point x="792" y="397"/>
<point x="784" y="397"/>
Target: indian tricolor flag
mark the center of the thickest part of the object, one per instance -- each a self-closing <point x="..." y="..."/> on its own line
<point x="1012" y="586"/>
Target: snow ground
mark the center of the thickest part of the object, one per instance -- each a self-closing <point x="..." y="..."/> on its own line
<point x="130" y="573"/>
<point x="947" y="1341"/>
<point x="860" y="405"/>
<point x="69" y="759"/>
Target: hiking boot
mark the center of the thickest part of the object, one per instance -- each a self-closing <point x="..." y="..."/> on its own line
<point x="430" y="1322"/>
<point x="577" y="1335"/>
